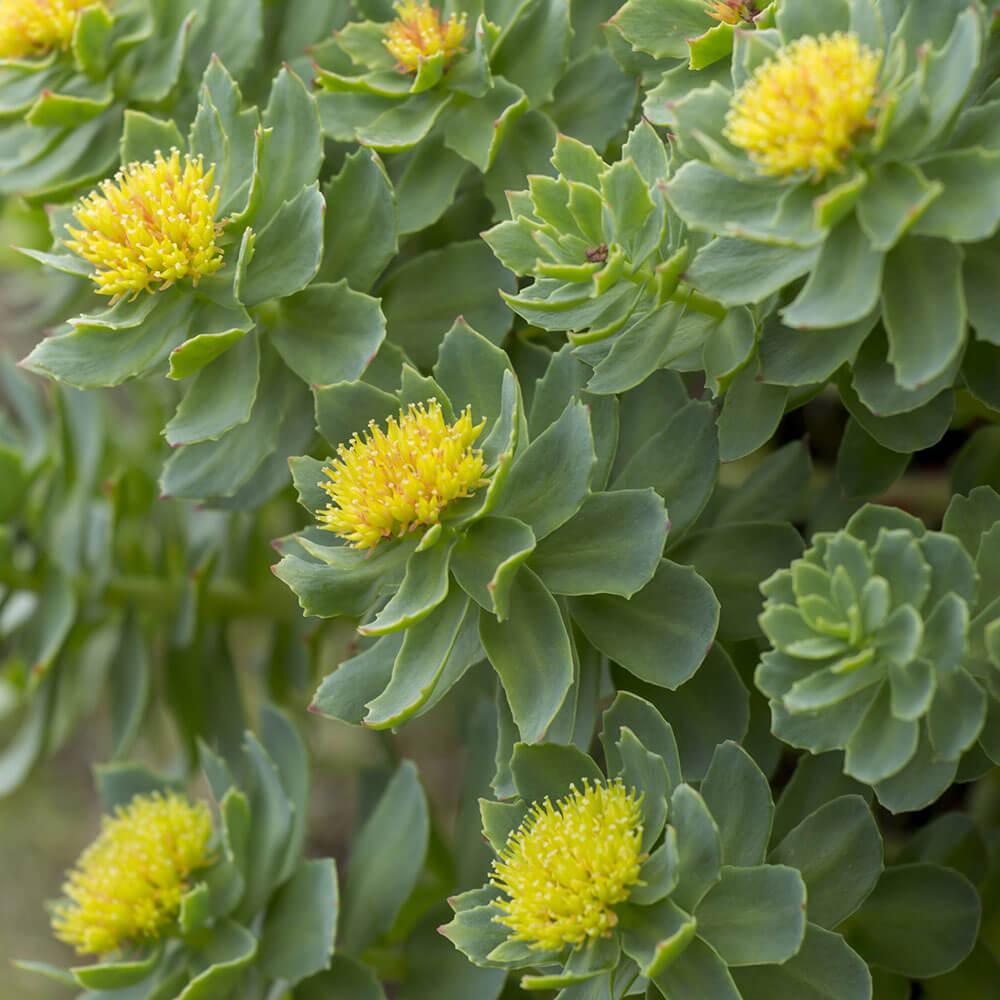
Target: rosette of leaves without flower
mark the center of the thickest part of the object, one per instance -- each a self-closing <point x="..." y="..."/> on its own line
<point x="607" y="256"/>
<point x="253" y="914"/>
<point x="880" y="648"/>
<point x="62" y="98"/>
<point x="222" y="307"/>
<point x="687" y="893"/>
<point x="538" y="548"/>
<point x="884" y="213"/>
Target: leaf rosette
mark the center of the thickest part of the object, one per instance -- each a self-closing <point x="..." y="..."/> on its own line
<point x="876" y="210"/>
<point x="501" y="569"/>
<point x="879" y="648"/>
<point x="68" y="75"/>
<point x="606" y="885"/>
<point x="205" y="247"/>
<point x="608" y="257"/>
<point x="389" y="84"/>
<point x="222" y="922"/>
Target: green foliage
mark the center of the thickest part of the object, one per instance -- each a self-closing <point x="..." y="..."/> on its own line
<point x="732" y="542"/>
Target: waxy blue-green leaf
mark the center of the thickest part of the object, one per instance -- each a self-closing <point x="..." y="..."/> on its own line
<point x="531" y="653"/>
<point x="487" y="559"/>
<point x="739" y="798"/>
<point x="387" y="856"/>
<point x="662" y="634"/>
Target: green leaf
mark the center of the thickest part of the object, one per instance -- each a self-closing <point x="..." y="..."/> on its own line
<point x="129" y="689"/>
<point x="907" y="432"/>
<point x="684" y="476"/>
<point x="220" y="397"/>
<point x="968" y="208"/>
<point x="405" y="123"/>
<point x="345" y="693"/>
<point x="117" y="975"/>
<point x="346" y="408"/>
<point x="532" y="654"/>
<point x="739" y="799"/>
<point x="838" y="850"/>
<point x="360" y="235"/>
<point x="981" y="292"/>
<point x="347" y="979"/>
<point x="699" y="847"/>
<point x="291" y="158"/>
<point x="882" y="745"/>
<point x="654" y="936"/>
<point x="751" y="412"/>
<point x="143" y="136"/>
<point x="662" y="27"/>
<point x="593" y="99"/>
<point x="288" y="250"/>
<point x="923" y="308"/>
<point x="297" y="937"/>
<point x="427" y="647"/>
<point x="898" y="931"/>
<point x="735" y="559"/>
<point x="735" y="272"/>
<point x="487" y="559"/>
<point x="533" y="49"/>
<point x="328" y="333"/>
<point x="475" y="127"/>
<point x="895" y="197"/>
<point x="92" y="357"/>
<point x="425" y="296"/>
<point x="824" y="968"/>
<point x="754" y="916"/>
<point x="844" y="285"/>
<point x="548" y="771"/>
<point x="387" y="856"/>
<point x="675" y="612"/>
<point x="864" y="467"/>
<point x="629" y="711"/>
<point x="550" y="478"/>
<point x="697" y="972"/>
<point x="612" y="545"/>
<point x="471" y="371"/>
<point x="228" y="952"/>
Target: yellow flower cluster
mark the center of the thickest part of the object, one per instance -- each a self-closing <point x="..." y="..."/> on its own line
<point x="419" y="33"/>
<point x="126" y="888"/>
<point x="30" y="28"/>
<point x="802" y="109"/>
<point x="731" y="11"/>
<point x="150" y="227"/>
<point x="394" y="481"/>
<point x="568" y="864"/>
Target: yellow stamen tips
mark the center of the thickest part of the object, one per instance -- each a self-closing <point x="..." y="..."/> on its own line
<point x="151" y="226"/>
<point x="390" y="482"/>
<point x="731" y="11"/>
<point x="568" y="864"/>
<point x="31" y="28"/>
<point x="801" y="109"/>
<point x="126" y="888"/>
<point x="419" y="33"/>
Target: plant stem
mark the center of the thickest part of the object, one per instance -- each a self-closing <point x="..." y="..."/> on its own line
<point x="219" y="599"/>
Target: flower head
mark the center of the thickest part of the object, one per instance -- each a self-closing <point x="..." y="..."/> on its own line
<point x="419" y="33"/>
<point x="802" y="108"/>
<point x="393" y="481"/>
<point x="151" y="226"/>
<point x="37" y="27"/>
<point x="731" y="11"/>
<point x="568" y="864"/>
<point x="127" y="886"/>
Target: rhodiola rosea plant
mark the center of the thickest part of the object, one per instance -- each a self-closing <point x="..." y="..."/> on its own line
<point x="503" y="496"/>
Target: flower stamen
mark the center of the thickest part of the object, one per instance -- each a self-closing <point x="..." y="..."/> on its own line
<point x="568" y="864"/>
<point x="127" y="887"/>
<point x="151" y="226"/>
<point x="419" y="33"/>
<point x="802" y="109"/>
<point x="34" y="28"/>
<point x="393" y="481"/>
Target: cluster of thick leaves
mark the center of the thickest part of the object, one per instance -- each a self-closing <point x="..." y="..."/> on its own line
<point x="638" y="310"/>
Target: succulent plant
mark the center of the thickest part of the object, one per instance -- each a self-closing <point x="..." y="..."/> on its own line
<point x="874" y="634"/>
<point x="67" y="74"/>
<point x="903" y="115"/>
<point x="177" y="903"/>
<point x="606" y="885"/>
<point x="454" y="532"/>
